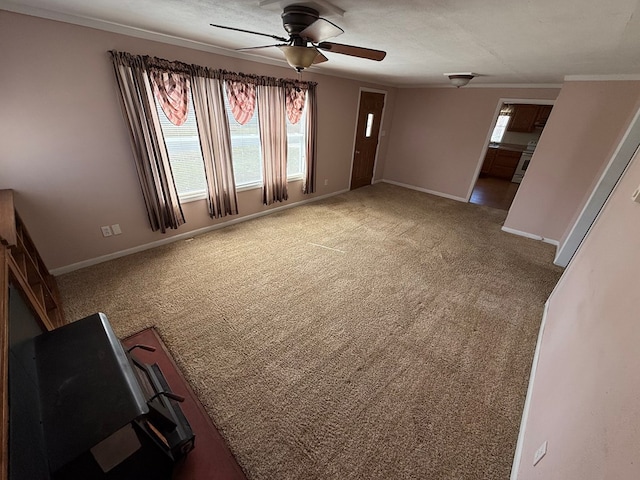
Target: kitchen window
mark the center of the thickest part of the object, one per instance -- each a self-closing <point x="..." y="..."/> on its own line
<point x="502" y="123"/>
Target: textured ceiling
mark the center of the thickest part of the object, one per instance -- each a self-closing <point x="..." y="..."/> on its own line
<point x="504" y="41"/>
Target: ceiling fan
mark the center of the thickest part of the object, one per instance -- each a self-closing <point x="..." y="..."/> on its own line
<point x="308" y="33"/>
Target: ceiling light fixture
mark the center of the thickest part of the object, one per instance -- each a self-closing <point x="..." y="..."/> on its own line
<point x="299" y="57"/>
<point x="460" y="79"/>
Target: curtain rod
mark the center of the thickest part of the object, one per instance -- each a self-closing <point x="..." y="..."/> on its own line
<point x="197" y="70"/>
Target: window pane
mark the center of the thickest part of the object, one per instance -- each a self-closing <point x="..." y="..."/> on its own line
<point x="183" y="145"/>
<point x="367" y="133"/>
<point x="500" y="128"/>
<point x="245" y="148"/>
<point x="296" y="146"/>
<point x="503" y="120"/>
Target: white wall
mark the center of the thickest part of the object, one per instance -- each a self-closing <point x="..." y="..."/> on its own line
<point x="584" y="401"/>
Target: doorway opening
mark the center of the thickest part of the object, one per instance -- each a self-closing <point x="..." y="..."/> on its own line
<point x="515" y="135"/>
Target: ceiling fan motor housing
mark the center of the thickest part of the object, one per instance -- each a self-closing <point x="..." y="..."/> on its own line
<point x="295" y="18"/>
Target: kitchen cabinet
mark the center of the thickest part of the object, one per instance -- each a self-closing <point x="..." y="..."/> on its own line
<point x="526" y="118"/>
<point x="500" y="163"/>
<point x="488" y="161"/>
<point x="543" y="115"/>
<point x="505" y="163"/>
<point x="523" y="118"/>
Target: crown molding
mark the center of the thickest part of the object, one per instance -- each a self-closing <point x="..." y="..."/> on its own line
<point x="603" y="78"/>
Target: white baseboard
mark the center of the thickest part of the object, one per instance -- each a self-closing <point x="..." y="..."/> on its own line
<point x="184" y="236"/>
<point x="531" y="235"/>
<point x="420" y="189"/>
<point x="517" y="458"/>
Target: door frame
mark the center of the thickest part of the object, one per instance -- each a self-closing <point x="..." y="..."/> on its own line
<point x="355" y="132"/>
<point x="485" y="148"/>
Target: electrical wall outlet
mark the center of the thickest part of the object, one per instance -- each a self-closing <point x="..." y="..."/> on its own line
<point x="326" y="182"/>
<point x="106" y="231"/>
<point x="541" y="452"/>
<point x="116" y="229"/>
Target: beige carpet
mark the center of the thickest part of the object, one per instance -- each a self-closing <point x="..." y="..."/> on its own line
<point x="379" y="334"/>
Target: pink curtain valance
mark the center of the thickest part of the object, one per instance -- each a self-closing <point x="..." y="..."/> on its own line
<point x="295" y="98"/>
<point x="242" y="100"/>
<point x="171" y="89"/>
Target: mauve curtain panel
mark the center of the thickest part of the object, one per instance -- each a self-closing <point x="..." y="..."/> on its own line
<point x="272" y="121"/>
<point x="149" y="149"/>
<point x="309" y="183"/>
<point x="215" y="140"/>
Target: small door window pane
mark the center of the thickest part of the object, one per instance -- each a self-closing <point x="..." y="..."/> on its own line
<point x="369" y="125"/>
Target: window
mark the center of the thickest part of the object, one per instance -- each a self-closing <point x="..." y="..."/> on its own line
<point x="367" y="133"/>
<point x="500" y="128"/>
<point x="140" y="79"/>
<point x="183" y="145"/>
<point x="187" y="164"/>
<point x="506" y="111"/>
<point x="296" y="147"/>
<point x="245" y="147"/>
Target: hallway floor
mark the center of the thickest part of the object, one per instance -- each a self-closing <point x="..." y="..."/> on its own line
<point x="494" y="192"/>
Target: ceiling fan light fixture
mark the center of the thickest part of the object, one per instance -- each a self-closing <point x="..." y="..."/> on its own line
<point x="299" y="57"/>
<point x="460" y="79"/>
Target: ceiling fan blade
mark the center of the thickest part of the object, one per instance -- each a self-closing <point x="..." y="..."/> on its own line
<point x="361" y="52"/>
<point x="320" y="58"/>
<point x="258" y="48"/>
<point x="275" y="37"/>
<point x="320" y="30"/>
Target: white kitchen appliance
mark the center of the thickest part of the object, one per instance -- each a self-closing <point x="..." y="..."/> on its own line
<point x="525" y="158"/>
